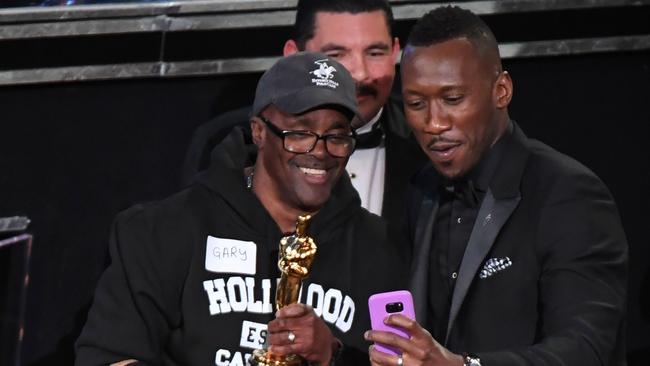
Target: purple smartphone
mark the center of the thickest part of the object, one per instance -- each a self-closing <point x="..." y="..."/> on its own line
<point x="384" y="304"/>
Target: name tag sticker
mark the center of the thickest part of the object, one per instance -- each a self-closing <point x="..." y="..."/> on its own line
<point x="230" y="256"/>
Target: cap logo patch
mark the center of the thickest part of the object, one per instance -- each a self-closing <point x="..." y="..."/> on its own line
<point x="324" y="74"/>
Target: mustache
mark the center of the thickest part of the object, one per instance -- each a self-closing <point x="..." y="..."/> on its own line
<point x="440" y="139"/>
<point x="365" y="89"/>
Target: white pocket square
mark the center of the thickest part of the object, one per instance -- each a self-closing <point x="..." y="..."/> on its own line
<point x="494" y="265"/>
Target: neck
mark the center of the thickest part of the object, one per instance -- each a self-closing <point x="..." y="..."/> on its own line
<point x="503" y="123"/>
<point x="368" y="125"/>
<point x="281" y="212"/>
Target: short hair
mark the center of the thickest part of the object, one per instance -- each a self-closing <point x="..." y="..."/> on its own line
<point x="305" y="23"/>
<point x="452" y="22"/>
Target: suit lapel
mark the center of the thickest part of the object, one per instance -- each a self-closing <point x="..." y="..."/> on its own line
<point x="489" y="221"/>
<point x="421" y="257"/>
<point x="500" y="201"/>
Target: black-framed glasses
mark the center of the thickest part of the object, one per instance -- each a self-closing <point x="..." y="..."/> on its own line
<point x="302" y="142"/>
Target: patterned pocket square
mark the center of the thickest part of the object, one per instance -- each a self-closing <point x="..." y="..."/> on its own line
<point x="494" y="265"/>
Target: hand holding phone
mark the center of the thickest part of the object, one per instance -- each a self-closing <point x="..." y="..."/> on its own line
<point x="384" y="304"/>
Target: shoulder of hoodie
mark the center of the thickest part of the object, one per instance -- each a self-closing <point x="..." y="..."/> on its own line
<point x="161" y="237"/>
<point x="182" y="213"/>
<point x="368" y="228"/>
<point x="365" y="219"/>
<point x="378" y="250"/>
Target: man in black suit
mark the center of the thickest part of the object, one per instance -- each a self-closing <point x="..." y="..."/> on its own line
<point x="358" y="34"/>
<point x="519" y="253"/>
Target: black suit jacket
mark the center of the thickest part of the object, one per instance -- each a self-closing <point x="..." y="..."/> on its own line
<point x="403" y="155"/>
<point x="543" y="278"/>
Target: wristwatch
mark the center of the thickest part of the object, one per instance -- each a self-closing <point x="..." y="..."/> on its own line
<point x="471" y="360"/>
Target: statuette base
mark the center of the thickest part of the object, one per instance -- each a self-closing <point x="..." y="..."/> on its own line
<point x="261" y="357"/>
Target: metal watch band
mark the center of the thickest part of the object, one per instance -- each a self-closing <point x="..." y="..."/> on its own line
<point x="471" y="360"/>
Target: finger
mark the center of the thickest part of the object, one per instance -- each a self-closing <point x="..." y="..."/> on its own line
<point x="419" y="345"/>
<point x="285" y="324"/>
<point x="403" y="322"/>
<point x="294" y="318"/>
<point x="389" y="339"/>
<point x="380" y="358"/>
<point x="416" y="332"/>
<point x="279" y="325"/>
<point x="281" y="338"/>
<point x="287" y="349"/>
<point x="293" y="310"/>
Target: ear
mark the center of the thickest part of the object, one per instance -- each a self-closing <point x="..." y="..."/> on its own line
<point x="503" y="90"/>
<point x="258" y="132"/>
<point x="396" y="49"/>
<point x="290" y="47"/>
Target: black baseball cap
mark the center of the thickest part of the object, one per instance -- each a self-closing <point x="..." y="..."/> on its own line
<point x="303" y="81"/>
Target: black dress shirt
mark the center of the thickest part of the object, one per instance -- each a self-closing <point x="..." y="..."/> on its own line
<point x="459" y="202"/>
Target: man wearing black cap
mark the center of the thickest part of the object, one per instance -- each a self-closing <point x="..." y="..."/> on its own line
<point x="358" y="34"/>
<point x="192" y="277"/>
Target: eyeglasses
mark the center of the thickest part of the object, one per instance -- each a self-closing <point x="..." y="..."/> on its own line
<point x="302" y="142"/>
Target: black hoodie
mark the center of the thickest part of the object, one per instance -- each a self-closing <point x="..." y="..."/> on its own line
<point x="193" y="276"/>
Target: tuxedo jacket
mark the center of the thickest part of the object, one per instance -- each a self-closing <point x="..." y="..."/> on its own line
<point x="403" y="155"/>
<point x="543" y="277"/>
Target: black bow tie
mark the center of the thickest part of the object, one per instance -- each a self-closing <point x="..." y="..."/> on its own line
<point x="463" y="190"/>
<point x="370" y="139"/>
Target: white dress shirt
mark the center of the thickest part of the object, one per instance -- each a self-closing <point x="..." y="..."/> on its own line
<point x="366" y="168"/>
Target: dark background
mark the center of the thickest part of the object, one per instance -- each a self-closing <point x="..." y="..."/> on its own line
<point x="72" y="155"/>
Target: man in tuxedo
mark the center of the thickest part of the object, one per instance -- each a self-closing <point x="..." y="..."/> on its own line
<point x="519" y="253"/>
<point x="357" y="33"/>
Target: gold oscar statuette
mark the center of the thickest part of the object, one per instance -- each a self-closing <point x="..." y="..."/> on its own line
<point x="296" y="255"/>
